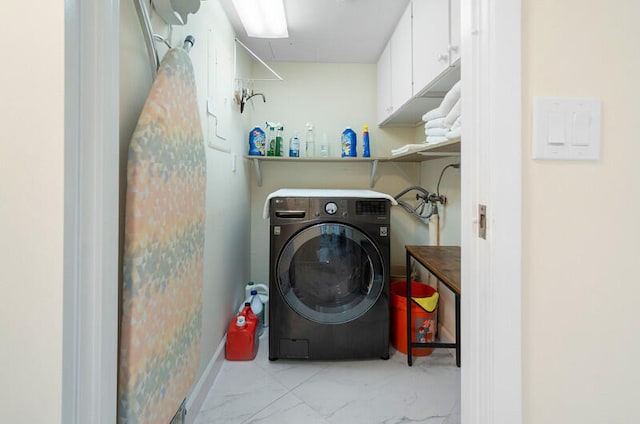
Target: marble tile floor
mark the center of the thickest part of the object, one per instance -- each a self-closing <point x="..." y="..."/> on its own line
<point x="335" y="392"/>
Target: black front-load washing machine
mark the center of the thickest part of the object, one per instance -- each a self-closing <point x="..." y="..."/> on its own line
<point x="329" y="278"/>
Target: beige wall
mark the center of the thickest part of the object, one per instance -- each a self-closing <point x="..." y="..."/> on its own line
<point x="228" y="196"/>
<point x="332" y="96"/>
<point x="31" y="212"/>
<point x="580" y="219"/>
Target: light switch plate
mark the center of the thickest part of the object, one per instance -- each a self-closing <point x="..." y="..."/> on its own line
<point x="566" y="128"/>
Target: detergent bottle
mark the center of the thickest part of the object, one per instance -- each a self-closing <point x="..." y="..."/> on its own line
<point x="365" y="142"/>
<point x="258" y="309"/>
<point x="256" y="142"/>
<point x="348" y="140"/>
<point x="263" y="294"/>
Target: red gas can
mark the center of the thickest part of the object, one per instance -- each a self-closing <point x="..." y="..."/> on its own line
<point x="242" y="343"/>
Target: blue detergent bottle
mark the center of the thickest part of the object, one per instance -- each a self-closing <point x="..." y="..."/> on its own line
<point x="366" y="153"/>
<point x="256" y="142"/>
<point x="349" y="141"/>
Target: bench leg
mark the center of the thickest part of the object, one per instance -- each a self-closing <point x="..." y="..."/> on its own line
<point x="409" y="335"/>
<point x="457" y="296"/>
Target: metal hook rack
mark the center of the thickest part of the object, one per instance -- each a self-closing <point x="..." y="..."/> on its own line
<point x="149" y="37"/>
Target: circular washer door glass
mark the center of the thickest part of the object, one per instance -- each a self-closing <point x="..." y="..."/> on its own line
<point x="330" y="273"/>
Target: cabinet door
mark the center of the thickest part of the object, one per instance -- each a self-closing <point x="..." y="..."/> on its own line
<point x="401" y="81"/>
<point x="454" y="31"/>
<point x="430" y="41"/>
<point x="384" y="83"/>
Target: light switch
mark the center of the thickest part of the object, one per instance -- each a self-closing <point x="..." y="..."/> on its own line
<point x="556" y="131"/>
<point x="581" y="128"/>
<point x="566" y="128"/>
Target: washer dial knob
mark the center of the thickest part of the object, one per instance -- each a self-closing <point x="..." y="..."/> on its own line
<point x="331" y="208"/>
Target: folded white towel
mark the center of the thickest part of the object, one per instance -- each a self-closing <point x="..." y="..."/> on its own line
<point x="435" y="123"/>
<point x="455" y="133"/>
<point x="436" y="131"/>
<point x="456" y="129"/>
<point x="450" y="98"/>
<point x="400" y="150"/>
<point x="453" y="114"/>
<point x="434" y="139"/>
<point x="407" y="148"/>
<point x="433" y="114"/>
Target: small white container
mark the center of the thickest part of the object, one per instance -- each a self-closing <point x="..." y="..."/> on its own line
<point x="263" y="294"/>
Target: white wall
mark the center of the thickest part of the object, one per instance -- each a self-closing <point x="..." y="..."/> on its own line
<point x="449" y="223"/>
<point x="31" y="212"/>
<point x="332" y="96"/>
<point x="580" y="220"/>
<point x="228" y="195"/>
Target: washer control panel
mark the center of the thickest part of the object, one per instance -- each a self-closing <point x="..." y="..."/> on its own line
<point x="338" y="208"/>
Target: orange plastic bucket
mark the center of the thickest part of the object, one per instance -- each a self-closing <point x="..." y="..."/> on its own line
<point x="423" y="327"/>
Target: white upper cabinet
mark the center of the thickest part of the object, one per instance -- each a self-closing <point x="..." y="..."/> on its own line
<point x="421" y="61"/>
<point x="454" y="31"/>
<point x="430" y="41"/>
<point x="384" y="83"/>
<point x="394" y="69"/>
<point x="401" y="81"/>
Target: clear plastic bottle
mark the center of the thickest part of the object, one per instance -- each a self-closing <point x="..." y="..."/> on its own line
<point x="310" y="145"/>
<point x="324" y="146"/>
<point x="294" y="146"/>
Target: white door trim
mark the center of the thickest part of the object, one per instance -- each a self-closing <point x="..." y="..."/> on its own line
<point x="491" y="175"/>
<point x="90" y="310"/>
<point x="491" y="270"/>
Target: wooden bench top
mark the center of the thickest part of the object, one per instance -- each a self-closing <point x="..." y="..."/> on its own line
<point x="441" y="261"/>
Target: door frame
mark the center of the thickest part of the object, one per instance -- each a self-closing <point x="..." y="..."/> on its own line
<point x="491" y="374"/>
<point x="91" y="151"/>
<point x="491" y="174"/>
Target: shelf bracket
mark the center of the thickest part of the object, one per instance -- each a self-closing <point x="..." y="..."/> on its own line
<point x="372" y="177"/>
<point x="256" y="165"/>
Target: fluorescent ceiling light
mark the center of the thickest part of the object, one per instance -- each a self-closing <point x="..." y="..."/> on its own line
<point x="262" y="18"/>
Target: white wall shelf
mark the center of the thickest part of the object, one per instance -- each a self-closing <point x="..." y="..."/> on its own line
<point x="435" y="151"/>
<point x="410" y="113"/>
<point x="446" y="149"/>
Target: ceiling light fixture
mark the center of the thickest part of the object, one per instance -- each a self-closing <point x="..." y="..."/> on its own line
<point x="262" y="18"/>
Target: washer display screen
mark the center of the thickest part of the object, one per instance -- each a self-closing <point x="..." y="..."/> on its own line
<point x="330" y="273"/>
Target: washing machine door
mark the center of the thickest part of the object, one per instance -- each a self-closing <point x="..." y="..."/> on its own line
<point x="330" y="273"/>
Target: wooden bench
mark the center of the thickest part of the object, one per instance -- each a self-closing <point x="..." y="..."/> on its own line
<point x="444" y="263"/>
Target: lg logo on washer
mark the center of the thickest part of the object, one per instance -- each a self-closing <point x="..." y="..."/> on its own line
<point x="384" y="231"/>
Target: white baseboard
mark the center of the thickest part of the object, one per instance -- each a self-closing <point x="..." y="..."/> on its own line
<point x="196" y="398"/>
